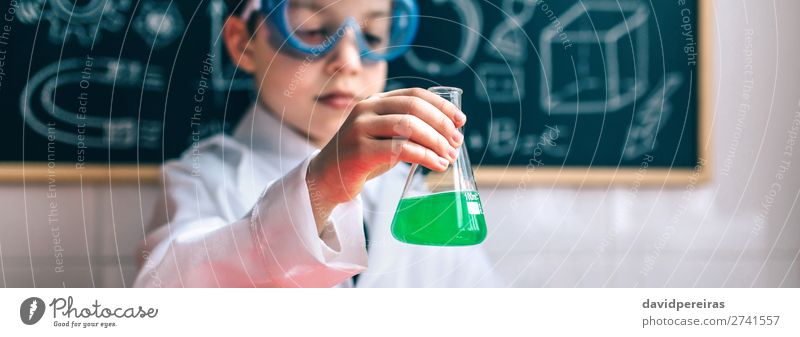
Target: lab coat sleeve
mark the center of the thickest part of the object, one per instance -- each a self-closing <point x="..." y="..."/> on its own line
<point x="275" y="244"/>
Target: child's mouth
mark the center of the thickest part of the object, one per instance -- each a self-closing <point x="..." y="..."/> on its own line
<point x="337" y="100"/>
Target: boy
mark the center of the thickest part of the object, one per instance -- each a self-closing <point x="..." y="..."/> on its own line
<point x="287" y="200"/>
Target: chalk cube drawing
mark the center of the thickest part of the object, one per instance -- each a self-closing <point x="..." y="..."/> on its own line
<point x="595" y="58"/>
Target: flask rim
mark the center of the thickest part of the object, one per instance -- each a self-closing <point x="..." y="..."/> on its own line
<point x="446" y="90"/>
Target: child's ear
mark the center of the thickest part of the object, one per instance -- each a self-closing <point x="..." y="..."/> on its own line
<point x="239" y="44"/>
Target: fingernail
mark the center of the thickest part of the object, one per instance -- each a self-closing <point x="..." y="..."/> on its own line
<point x="457" y="137"/>
<point x="453" y="153"/>
<point x="461" y="117"/>
<point x="444" y="162"/>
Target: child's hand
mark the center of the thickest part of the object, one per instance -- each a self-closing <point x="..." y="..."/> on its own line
<point x="412" y="125"/>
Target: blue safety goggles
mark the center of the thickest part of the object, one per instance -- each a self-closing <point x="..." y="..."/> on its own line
<point x="314" y="27"/>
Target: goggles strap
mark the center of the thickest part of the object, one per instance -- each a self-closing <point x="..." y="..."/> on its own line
<point x="252" y="6"/>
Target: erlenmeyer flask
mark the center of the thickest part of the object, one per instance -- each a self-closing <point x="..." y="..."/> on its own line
<point x="441" y="209"/>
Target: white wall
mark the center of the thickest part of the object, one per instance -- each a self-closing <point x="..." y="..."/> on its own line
<point x="545" y="236"/>
<point x="98" y="240"/>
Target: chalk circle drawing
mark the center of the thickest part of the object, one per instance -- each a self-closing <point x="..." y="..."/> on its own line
<point x="470" y="18"/>
<point x="100" y="131"/>
<point x="611" y="38"/>
<point x="83" y="21"/>
<point x="508" y="39"/>
<point x="159" y="23"/>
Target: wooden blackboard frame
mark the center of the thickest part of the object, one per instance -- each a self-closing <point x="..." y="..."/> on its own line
<point x="486" y="176"/>
<point x="65" y="172"/>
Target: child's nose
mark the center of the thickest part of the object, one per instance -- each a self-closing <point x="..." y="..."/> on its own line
<point x="345" y="56"/>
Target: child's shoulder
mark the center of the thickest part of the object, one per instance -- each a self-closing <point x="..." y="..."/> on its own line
<point x="211" y="154"/>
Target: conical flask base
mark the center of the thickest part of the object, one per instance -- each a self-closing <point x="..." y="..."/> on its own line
<point x="453" y="218"/>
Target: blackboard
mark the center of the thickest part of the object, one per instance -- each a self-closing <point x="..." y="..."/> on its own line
<point x="589" y="91"/>
<point x="98" y="88"/>
<point x="585" y="92"/>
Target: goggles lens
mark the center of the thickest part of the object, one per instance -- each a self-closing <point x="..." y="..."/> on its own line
<point x="384" y="29"/>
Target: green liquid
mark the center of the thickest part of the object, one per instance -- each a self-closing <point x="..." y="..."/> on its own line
<point x="441" y="219"/>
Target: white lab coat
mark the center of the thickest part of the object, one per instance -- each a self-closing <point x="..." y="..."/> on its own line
<point x="237" y="213"/>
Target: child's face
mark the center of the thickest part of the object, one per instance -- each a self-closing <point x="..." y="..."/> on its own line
<point x="313" y="96"/>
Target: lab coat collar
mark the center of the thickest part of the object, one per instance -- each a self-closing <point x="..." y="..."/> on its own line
<point x="263" y="131"/>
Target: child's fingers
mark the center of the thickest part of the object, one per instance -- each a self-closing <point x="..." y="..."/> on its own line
<point x="412" y="128"/>
<point x="448" y="108"/>
<point x="410" y="152"/>
<point x="423" y="110"/>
